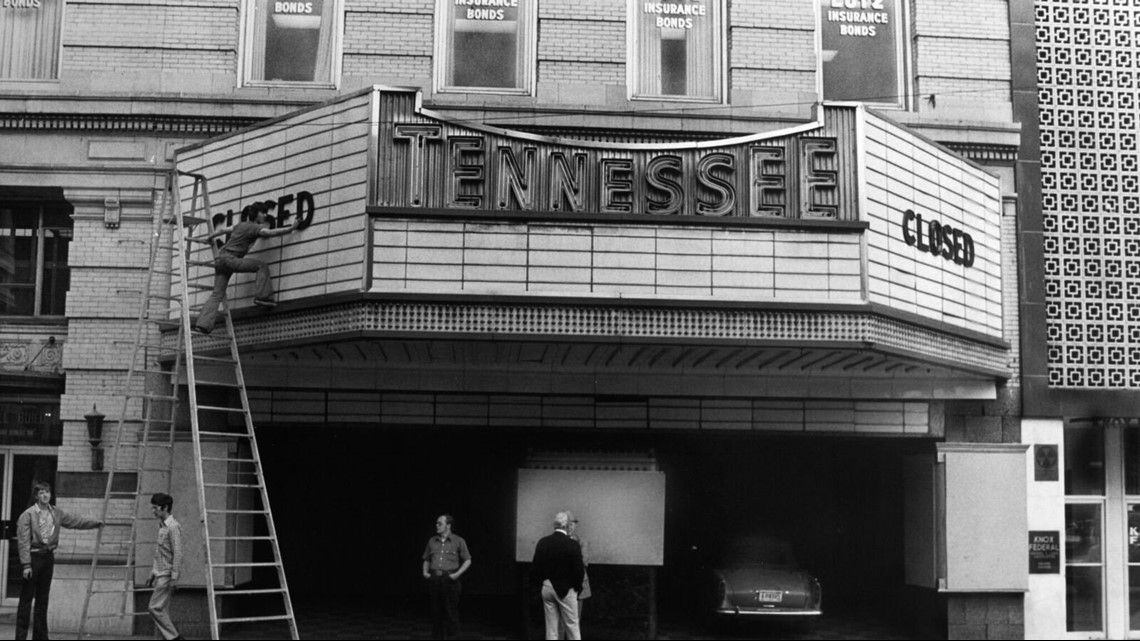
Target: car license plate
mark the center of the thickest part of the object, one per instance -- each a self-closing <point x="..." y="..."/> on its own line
<point x="769" y="596"/>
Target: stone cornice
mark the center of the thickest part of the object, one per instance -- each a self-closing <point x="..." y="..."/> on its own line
<point x="125" y="123"/>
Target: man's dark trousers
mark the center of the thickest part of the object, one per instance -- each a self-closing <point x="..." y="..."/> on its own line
<point x="445" y="606"/>
<point x="39" y="587"/>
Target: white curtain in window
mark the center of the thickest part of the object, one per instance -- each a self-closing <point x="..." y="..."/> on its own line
<point x="29" y="41"/>
<point x="321" y="71"/>
<point x="699" y="40"/>
<point x="257" y="43"/>
<point x="648" y="61"/>
<point x="703" y="55"/>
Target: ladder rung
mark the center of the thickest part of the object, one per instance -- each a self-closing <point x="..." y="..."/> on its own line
<point x="151" y="370"/>
<point x="254" y="485"/>
<point x="230" y="460"/>
<point x="201" y="240"/>
<point x="153" y="397"/>
<point x="201" y="263"/>
<point x="218" y="383"/>
<point x="280" y="617"/>
<point x="250" y="564"/>
<point x="215" y="359"/>
<point x="201" y="286"/>
<point x="241" y="592"/>
<point x="242" y="538"/>
<point x="161" y="348"/>
<point x="116" y="615"/>
<point x="190" y="221"/>
<point x="237" y="512"/>
<point x="223" y="434"/>
<point x="145" y="444"/>
<point x="215" y="408"/>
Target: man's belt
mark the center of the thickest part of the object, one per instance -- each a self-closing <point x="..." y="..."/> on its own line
<point x="441" y="572"/>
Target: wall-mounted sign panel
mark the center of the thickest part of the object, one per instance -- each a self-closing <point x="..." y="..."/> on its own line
<point x="934" y="245"/>
<point x="621" y="513"/>
<point x="312" y="165"/>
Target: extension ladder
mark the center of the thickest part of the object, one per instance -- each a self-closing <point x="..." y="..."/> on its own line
<point x="236" y="521"/>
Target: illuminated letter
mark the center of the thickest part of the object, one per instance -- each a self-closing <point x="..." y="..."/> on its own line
<point x="617" y="179"/>
<point x="514" y="183"/>
<point x="661" y="175"/>
<point x="819" y="188"/>
<point x="567" y="186"/>
<point x="714" y="173"/>
<point x="417" y="135"/>
<point x="465" y="185"/>
<point x="769" y="189"/>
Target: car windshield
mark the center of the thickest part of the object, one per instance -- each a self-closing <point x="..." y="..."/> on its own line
<point x="758" y="552"/>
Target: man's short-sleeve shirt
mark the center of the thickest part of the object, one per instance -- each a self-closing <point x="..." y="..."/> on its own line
<point x="446" y="555"/>
<point x="242" y="238"/>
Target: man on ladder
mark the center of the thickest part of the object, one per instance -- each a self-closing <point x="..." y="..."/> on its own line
<point x="231" y="259"/>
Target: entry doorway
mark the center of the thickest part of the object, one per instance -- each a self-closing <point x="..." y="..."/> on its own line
<point x="1102" y="528"/>
<point x="19" y="469"/>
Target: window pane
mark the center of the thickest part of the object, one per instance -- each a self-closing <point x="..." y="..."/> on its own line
<point x="1084" y="461"/>
<point x="1084" y="600"/>
<point x="18" y="260"/>
<point x="484" y="59"/>
<point x="861" y="52"/>
<point x="1084" y="609"/>
<point x="25" y="227"/>
<point x="1083" y="534"/>
<point x="677" y="49"/>
<point x="29" y="39"/>
<point x="1133" y="538"/>
<point x="292" y="41"/>
<point x="1132" y="460"/>
<point x="485" y="47"/>
<point x="57" y="277"/>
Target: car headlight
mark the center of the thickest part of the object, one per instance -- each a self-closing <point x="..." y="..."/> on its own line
<point x="816" y="593"/>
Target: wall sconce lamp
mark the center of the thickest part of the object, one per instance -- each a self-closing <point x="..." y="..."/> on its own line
<point x="111" y="212"/>
<point x="95" y="435"/>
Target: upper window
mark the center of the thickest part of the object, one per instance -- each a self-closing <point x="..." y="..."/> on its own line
<point x="676" y="50"/>
<point x="289" y="41"/>
<point x="863" y="51"/>
<point x="486" y="45"/>
<point x="34" y="239"/>
<point x="29" y="39"/>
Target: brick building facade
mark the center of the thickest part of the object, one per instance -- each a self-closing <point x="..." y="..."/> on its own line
<point x="91" y="130"/>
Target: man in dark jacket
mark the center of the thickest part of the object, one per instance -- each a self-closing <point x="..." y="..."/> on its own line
<point x="558" y="564"/>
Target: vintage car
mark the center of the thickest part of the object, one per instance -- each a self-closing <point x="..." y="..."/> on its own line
<point x="758" y="576"/>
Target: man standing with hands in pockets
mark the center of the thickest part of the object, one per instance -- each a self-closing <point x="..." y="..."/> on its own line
<point x="558" y="564"/>
<point x="445" y="560"/>
<point x="167" y="564"/>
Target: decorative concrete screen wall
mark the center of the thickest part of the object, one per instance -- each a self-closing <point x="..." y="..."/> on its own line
<point x="313" y="162"/>
<point x="934" y="245"/>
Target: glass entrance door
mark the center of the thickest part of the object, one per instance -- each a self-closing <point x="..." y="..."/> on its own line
<point x="21" y="468"/>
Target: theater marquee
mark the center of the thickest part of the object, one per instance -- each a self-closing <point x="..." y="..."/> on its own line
<point x="445" y="165"/>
